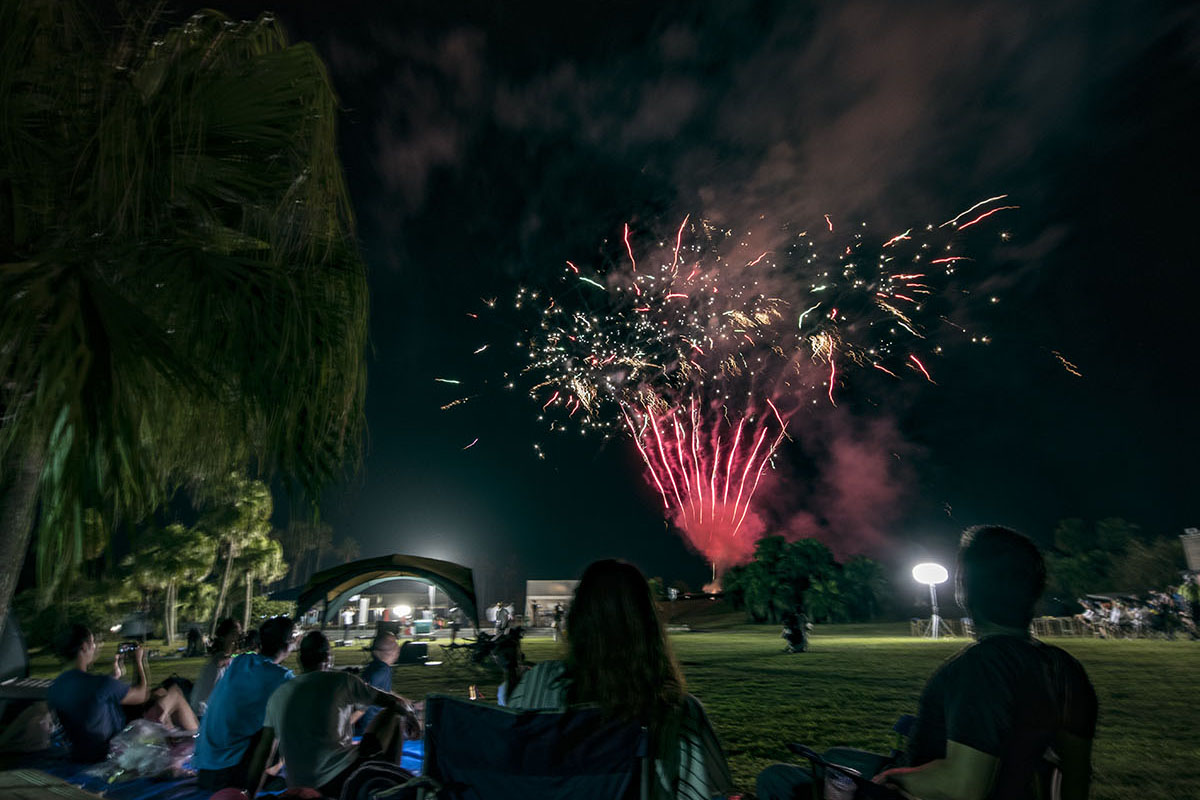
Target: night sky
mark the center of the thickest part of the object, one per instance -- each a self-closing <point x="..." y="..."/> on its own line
<point x="485" y="143"/>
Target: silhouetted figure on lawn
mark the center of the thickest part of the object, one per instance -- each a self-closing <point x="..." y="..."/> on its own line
<point x="989" y="715"/>
<point x="795" y="631"/>
<point x="558" y="620"/>
<point x="195" y="643"/>
<point x="1190" y="590"/>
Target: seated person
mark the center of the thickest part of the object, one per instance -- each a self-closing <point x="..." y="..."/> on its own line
<point x="310" y="717"/>
<point x="229" y="631"/>
<point x="236" y="706"/>
<point x="989" y="714"/>
<point x="507" y="654"/>
<point x="94" y="708"/>
<point x="378" y="674"/>
<point x="618" y="657"/>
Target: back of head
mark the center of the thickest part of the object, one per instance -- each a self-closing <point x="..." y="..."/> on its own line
<point x="384" y="646"/>
<point x="1001" y="575"/>
<point x="70" y="640"/>
<point x="617" y="650"/>
<point x="229" y="632"/>
<point x="314" y="651"/>
<point x="275" y="635"/>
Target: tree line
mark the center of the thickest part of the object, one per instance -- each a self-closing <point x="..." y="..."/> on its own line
<point x="181" y="293"/>
<point x="1111" y="555"/>
<point x="221" y="565"/>
<point x="785" y="576"/>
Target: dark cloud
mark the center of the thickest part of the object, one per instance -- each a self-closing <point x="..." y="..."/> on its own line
<point x="485" y="144"/>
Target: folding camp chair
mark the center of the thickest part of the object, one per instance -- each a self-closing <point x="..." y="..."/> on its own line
<point x="475" y="751"/>
<point x="856" y="767"/>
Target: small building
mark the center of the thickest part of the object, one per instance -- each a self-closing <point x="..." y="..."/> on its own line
<point x="1191" y="548"/>
<point x="547" y="594"/>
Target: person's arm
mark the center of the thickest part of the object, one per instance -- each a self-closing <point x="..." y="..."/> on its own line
<point x="410" y="723"/>
<point x="964" y="774"/>
<point x="139" y="691"/>
<point x="256" y="770"/>
<point x="1075" y="763"/>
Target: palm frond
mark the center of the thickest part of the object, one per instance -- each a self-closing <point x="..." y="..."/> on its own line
<point x="180" y="292"/>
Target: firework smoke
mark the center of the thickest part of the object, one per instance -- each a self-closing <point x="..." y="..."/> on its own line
<point x="703" y="350"/>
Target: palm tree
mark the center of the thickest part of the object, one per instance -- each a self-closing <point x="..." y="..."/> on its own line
<point x="180" y="294"/>
<point x="164" y="559"/>
<point x="347" y="549"/>
<point x="239" y="520"/>
<point x="307" y="541"/>
<point x="260" y="559"/>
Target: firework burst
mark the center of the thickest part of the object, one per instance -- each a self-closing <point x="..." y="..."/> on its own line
<point x="702" y="349"/>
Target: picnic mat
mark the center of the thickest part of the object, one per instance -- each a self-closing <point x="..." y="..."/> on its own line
<point x="58" y="777"/>
<point x="31" y="784"/>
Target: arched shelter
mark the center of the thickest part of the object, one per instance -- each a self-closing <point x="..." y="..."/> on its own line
<point x="331" y="588"/>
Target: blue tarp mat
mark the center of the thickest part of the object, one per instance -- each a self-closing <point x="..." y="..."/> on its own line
<point x="53" y="763"/>
<point x="137" y="789"/>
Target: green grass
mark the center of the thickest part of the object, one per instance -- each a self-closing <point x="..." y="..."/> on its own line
<point x="857" y="679"/>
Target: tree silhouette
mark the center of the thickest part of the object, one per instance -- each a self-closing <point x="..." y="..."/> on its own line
<point x="347" y="549"/>
<point x="180" y="292"/>
<point x="239" y="517"/>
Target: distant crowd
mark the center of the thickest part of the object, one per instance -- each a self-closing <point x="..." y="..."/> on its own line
<point x="1168" y="613"/>
<point x="1003" y="718"/>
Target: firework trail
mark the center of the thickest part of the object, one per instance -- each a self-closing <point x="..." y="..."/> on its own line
<point x="703" y="349"/>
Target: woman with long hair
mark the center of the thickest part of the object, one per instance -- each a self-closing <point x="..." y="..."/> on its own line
<point x="619" y="659"/>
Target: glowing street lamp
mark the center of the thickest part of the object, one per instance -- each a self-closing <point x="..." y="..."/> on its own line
<point x="931" y="575"/>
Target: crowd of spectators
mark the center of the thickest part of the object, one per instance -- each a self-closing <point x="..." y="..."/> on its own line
<point x="1168" y="613"/>
<point x="990" y="721"/>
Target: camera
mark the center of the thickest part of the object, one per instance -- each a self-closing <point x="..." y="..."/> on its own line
<point x="126" y="647"/>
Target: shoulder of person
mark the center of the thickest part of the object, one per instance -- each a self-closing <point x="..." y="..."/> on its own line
<point x="547" y="673"/>
<point x="1065" y="659"/>
<point x="549" y="669"/>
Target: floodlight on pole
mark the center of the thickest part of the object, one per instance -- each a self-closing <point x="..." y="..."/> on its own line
<point x="931" y="575"/>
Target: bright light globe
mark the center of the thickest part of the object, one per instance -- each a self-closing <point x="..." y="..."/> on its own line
<point x="930" y="574"/>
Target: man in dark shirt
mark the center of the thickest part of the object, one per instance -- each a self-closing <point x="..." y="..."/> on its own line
<point x="92" y="709"/>
<point x="990" y="715"/>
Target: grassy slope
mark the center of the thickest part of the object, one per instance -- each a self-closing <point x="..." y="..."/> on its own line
<point x="858" y="679"/>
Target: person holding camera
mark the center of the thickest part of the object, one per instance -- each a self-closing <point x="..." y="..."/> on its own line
<point x="94" y="708"/>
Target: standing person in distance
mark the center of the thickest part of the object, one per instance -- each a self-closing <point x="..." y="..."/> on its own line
<point x="558" y="620"/>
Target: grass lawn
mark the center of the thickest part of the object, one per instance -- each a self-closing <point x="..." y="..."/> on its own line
<point x="858" y="678"/>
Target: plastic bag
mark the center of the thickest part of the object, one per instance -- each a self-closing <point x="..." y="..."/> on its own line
<point x="141" y="750"/>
